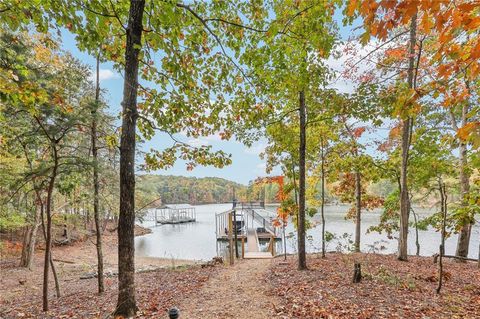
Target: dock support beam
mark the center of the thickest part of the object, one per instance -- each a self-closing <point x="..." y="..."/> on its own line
<point x="235" y="232"/>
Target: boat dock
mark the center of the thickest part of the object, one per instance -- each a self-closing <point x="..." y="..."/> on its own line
<point x="171" y="214"/>
<point x="250" y="225"/>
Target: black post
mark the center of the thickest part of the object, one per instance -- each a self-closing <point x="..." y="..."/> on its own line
<point x="235" y="223"/>
<point x="262" y="203"/>
<point x="173" y="313"/>
<point x="234" y="199"/>
<point x="357" y="273"/>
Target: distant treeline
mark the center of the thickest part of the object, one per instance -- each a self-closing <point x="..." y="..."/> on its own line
<point x="207" y="190"/>
<point x="179" y="189"/>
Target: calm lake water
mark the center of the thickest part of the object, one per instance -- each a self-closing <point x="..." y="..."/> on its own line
<point x="196" y="241"/>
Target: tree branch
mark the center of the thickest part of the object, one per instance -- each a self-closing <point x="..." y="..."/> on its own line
<point x="282" y="116"/>
<point x="217" y="39"/>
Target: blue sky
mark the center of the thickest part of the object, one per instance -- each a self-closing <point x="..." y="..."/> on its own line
<point x="246" y="163"/>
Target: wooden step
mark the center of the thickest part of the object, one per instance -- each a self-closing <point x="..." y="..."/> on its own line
<point x="258" y="255"/>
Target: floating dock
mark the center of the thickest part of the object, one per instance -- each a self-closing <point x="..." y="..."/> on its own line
<point x="172" y="214"/>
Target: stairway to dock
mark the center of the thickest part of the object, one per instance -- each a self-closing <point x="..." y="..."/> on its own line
<point x="253" y="224"/>
<point x="253" y="251"/>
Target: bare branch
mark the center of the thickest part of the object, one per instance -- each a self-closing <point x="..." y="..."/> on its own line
<point x="282" y="116"/>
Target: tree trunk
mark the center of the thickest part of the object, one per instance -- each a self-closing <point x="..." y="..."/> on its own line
<point x="322" y="207"/>
<point x="443" y="200"/>
<point x="28" y="250"/>
<point x="27" y="237"/>
<point x="417" y="242"/>
<point x="87" y="217"/>
<point x="126" y="304"/>
<point x="48" y="231"/>
<point x="465" y="231"/>
<point x="52" y="265"/>
<point x="96" y="184"/>
<point x="406" y="139"/>
<point x="302" y="258"/>
<point x="358" y="210"/>
<point x="357" y="273"/>
<point x="295" y="190"/>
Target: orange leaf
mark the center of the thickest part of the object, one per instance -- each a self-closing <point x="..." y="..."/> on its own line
<point x="426" y="23"/>
<point x="465" y="131"/>
<point x="358" y="131"/>
<point x="475" y="51"/>
<point x="351" y="6"/>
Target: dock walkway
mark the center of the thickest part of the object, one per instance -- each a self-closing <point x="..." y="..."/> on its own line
<point x="252" y="240"/>
<point x="255" y="227"/>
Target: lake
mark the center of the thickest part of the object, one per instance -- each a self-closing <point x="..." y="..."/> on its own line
<point x="197" y="241"/>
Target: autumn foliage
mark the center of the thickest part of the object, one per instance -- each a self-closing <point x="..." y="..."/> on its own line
<point x="454" y="51"/>
<point x="345" y="190"/>
<point x="282" y="212"/>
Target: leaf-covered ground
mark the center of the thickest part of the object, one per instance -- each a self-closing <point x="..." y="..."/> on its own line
<point x="389" y="289"/>
<point x="21" y="289"/>
<point x="262" y="289"/>
<point x="156" y="292"/>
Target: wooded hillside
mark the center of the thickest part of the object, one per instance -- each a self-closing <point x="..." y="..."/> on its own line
<point x="180" y="189"/>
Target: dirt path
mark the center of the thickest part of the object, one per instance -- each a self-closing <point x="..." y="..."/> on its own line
<point x="234" y="292"/>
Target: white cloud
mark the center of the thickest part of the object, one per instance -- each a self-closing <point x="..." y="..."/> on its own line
<point x="197" y="142"/>
<point x="104" y="74"/>
<point x="215" y="137"/>
<point x="352" y="59"/>
<point x="261" y="169"/>
<point x="256" y="149"/>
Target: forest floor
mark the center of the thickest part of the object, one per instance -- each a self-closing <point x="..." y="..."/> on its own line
<point x="254" y="289"/>
<point x="389" y="288"/>
<point x="21" y="289"/>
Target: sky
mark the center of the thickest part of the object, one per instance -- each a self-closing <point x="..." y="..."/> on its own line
<point x="246" y="162"/>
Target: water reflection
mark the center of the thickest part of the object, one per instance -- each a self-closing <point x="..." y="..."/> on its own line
<point x="197" y="240"/>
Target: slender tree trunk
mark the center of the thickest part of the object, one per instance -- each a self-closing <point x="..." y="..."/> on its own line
<point x="295" y="190"/>
<point x="27" y="237"/>
<point x="406" y="139"/>
<point x="322" y="207"/>
<point x="87" y="217"/>
<point x="126" y="304"/>
<point x="28" y="250"/>
<point x="96" y="184"/>
<point x="415" y="220"/>
<point x="443" y="197"/>
<point x="48" y="235"/>
<point x="417" y="242"/>
<point x="358" y="210"/>
<point x="52" y="265"/>
<point x="465" y="231"/>
<point x="302" y="258"/>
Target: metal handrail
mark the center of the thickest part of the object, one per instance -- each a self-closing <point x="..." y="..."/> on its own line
<point x="262" y="220"/>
